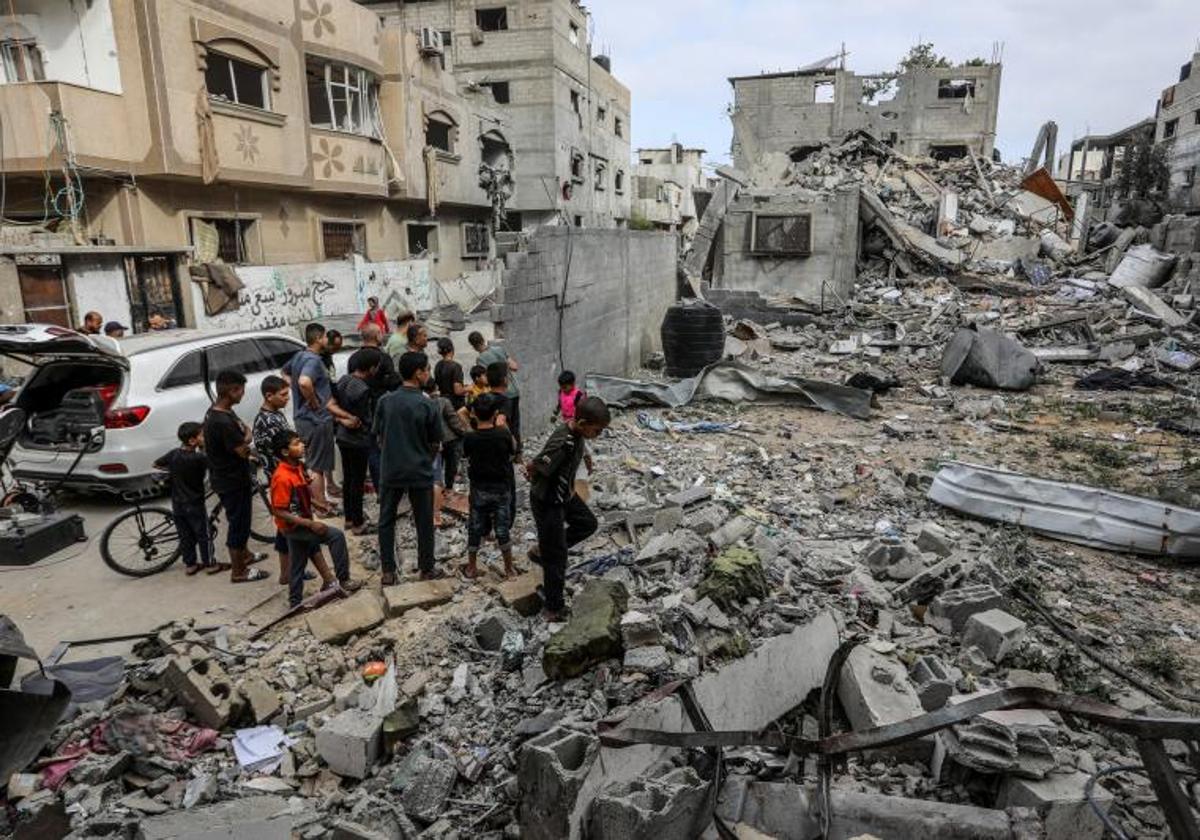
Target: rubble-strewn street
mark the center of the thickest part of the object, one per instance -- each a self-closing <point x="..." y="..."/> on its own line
<point x="874" y="458"/>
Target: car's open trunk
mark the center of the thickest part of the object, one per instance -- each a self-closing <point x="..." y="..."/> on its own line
<point x="65" y="400"/>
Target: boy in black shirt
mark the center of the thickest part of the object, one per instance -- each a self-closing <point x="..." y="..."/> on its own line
<point x="227" y="444"/>
<point x="186" y="467"/>
<point x="563" y="519"/>
<point x="490" y="451"/>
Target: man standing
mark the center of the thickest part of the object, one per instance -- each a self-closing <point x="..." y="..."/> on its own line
<point x="315" y="411"/>
<point x="409" y="430"/>
<point x="374" y="316"/>
<point x="227" y="445"/>
<point x="399" y="338"/>
<point x="383" y="382"/>
<point x="490" y="354"/>
<point x="92" y="321"/>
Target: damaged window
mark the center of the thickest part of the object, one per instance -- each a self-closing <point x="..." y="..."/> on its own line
<point x="576" y="166"/>
<point x="601" y="170"/>
<point x="422" y="240"/>
<point x="492" y="20"/>
<point x="824" y="91"/>
<point x="342" y="98"/>
<point x="619" y="181"/>
<point x="949" y="151"/>
<point x="1189" y="176"/>
<point x="619" y="127"/>
<point x="1169" y="128"/>
<point x="876" y="90"/>
<point x="476" y="239"/>
<point x="573" y="35"/>
<point x="779" y="235"/>
<point x="439" y="132"/>
<point x="500" y="91"/>
<point x="221" y="239"/>
<point x="956" y="88"/>
<point x="22" y="61"/>
<point x="601" y="113"/>
<point x="232" y="80"/>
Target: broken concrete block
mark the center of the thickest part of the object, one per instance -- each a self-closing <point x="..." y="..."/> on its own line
<point x="690" y="496"/>
<point x="420" y="594"/>
<point x="934" y="682"/>
<point x="949" y="612"/>
<point x="883" y="552"/>
<point x="652" y="659"/>
<point x="258" y="817"/>
<point x="668" y="519"/>
<point x="1059" y="800"/>
<point x="1150" y="303"/>
<point x="874" y="691"/>
<point x="705" y="520"/>
<point x="203" y="687"/>
<point x="520" y="594"/>
<point x="1018" y="742"/>
<point x="337" y="622"/>
<point x="426" y="793"/>
<point x="735" y="530"/>
<point x="670" y="807"/>
<point x="679" y="545"/>
<point x="934" y="539"/>
<point x="995" y="632"/>
<point x="349" y="743"/>
<point x="551" y="769"/>
<point x="490" y="630"/>
<point x="97" y="768"/>
<point x="264" y="701"/>
<point x="733" y="577"/>
<point x="592" y="634"/>
<point x="639" y="630"/>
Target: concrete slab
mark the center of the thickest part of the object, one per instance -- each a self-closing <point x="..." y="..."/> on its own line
<point x="339" y="621"/>
<point x="423" y="594"/>
<point x="521" y="593"/>
<point x="251" y="818"/>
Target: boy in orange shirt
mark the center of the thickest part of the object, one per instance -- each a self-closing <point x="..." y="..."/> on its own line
<point x="291" y="503"/>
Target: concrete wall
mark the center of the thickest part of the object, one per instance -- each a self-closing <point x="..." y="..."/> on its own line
<point x="288" y="295"/>
<point x="779" y="112"/>
<point x="98" y="284"/>
<point x="818" y="279"/>
<point x="621" y="284"/>
<point x="76" y="39"/>
<point x="1181" y="103"/>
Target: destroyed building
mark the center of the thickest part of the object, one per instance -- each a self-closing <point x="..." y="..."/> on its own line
<point x="1178" y="128"/>
<point x="567" y="115"/>
<point x="1097" y="162"/>
<point x="942" y="112"/>
<point x="284" y="139"/>
<point x="665" y="182"/>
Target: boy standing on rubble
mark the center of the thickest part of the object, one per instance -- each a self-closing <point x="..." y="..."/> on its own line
<point x="563" y="519"/>
<point x="490" y="449"/>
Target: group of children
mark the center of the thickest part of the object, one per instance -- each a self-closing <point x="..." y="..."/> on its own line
<point x="421" y="429"/>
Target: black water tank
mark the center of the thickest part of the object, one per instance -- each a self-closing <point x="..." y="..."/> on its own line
<point x="693" y="337"/>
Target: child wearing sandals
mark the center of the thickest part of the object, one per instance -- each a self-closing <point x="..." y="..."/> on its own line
<point x="489" y="450"/>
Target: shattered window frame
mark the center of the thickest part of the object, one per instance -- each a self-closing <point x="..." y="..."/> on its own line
<point x="824" y="91"/>
<point x="774" y="239"/>
<point x="22" y="60"/>
<point x="231" y="235"/>
<point x="956" y="88"/>
<point x="223" y="68"/>
<point x="437" y="124"/>
<point x="477" y="239"/>
<point x="1170" y="128"/>
<point x="576" y="165"/>
<point x="492" y="19"/>
<point x="349" y="104"/>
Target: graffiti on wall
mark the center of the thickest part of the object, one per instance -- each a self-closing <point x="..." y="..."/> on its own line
<point x="285" y="296"/>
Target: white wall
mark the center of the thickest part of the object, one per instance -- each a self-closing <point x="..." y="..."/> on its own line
<point x="288" y="295"/>
<point x="98" y="284"/>
<point x="76" y="38"/>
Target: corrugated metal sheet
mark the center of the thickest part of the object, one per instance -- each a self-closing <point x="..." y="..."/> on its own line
<point x="1072" y="512"/>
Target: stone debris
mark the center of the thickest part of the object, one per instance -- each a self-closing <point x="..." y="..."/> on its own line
<point x="995" y="632"/>
<point x="339" y="621"/>
<point x="350" y="742"/>
<point x="592" y="633"/>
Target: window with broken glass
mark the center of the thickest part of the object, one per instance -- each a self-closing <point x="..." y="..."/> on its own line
<point x="229" y="79"/>
<point x="343" y="98"/>
<point x="22" y="61"/>
<point x="781" y="235"/>
<point x="956" y="88"/>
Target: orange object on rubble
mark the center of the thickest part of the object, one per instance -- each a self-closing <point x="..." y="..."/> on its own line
<point x="374" y="670"/>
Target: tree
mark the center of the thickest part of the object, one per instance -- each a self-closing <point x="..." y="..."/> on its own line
<point x="1145" y="173"/>
<point x="921" y="57"/>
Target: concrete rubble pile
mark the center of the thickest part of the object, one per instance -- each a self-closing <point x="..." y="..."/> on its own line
<point x="735" y="559"/>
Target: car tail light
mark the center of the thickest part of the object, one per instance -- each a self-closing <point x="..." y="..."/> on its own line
<point x="114" y="469"/>
<point x="125" y="418"/>
<point x="107" y="393"/>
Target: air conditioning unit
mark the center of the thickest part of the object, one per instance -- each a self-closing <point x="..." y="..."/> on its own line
<point x="431" y="42"/>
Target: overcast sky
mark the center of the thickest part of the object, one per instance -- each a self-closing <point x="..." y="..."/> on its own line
<point x="1090" y="65"/>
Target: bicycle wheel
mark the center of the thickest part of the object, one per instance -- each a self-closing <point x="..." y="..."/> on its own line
<point x="141" y="542"/>
<point x="262" y="524"/>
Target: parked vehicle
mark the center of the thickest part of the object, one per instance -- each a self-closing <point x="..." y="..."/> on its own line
<point x="146" y="386"/>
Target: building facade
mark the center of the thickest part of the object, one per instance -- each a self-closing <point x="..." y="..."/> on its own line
<point x="940" y="112"/>
<point x="1178" y="128"/>
<point x="567" y="116"/>
<point x="265" y="132"/>
<point x="664" y="181"/>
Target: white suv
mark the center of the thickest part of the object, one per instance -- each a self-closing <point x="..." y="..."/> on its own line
<point x="148" y="385"/>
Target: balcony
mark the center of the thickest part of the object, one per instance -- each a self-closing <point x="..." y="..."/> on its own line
<point x="95" y="126"/>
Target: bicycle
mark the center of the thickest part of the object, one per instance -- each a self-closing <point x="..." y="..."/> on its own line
<point x="144" y="541"/>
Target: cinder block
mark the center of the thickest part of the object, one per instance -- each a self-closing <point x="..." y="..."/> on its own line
<point x="203" y="687"/>
<point x="950" y="611"/>
<point x="1059" y="800"/>
<point x="874" y="690"/>
<point x="994" y="632"/>
<point x="670" y="807"/>
<point x="550" y="771"/>
<point x="934" y="681"/>
<point x="349" y="743"/>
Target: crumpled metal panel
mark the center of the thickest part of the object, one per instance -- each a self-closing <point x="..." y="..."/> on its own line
<point x="734" y="383"/>
<point x="1073" y="512"/>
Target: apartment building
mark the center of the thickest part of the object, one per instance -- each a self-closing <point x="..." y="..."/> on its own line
<point x="567" y="115"/>
<point x="266" y="132"/>
<point x="1177" y="125"/>
<point x="664" y="181"/>
<point x="941" y="111"/>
